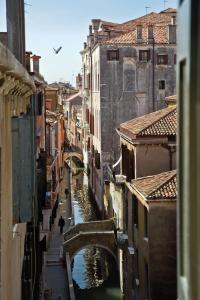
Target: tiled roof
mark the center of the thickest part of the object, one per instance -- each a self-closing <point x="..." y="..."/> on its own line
<point x="160" y="123"/>
<point x="157" y="187"/>
<point x="108" y="24"/>
<point x="160" y="34"/>
<point x="169" y="10"/>
<point x="160" y="22"/>
<point x="152" y="18"/>
<point x="75" y="99"/>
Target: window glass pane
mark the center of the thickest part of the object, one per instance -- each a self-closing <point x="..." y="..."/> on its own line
<point x="113" y="54"/>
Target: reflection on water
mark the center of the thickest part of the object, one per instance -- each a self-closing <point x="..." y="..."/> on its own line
<point x="94" y="270"/>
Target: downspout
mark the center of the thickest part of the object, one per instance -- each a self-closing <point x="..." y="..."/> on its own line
<point x="153" y="76"/>
<point x="91" y="87"/>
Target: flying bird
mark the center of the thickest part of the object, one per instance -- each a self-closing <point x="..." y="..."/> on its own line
<point x="57" y="50"/>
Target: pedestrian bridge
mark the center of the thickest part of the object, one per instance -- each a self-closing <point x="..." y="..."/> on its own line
<point x="97" y="233"/>
<point x="68" y="155"/>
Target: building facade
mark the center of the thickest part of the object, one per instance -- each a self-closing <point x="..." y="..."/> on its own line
<point x="148" y="147"/>
<point x="128" y="70"/>
<point x="150" y="223"/>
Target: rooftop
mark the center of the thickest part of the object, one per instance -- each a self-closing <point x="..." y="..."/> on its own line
<point x="160" y="34"/>
<point x="75" y="99"/>
<point x="162" y="186"/>
<point x="163" y="17"/>
<point x="160" y="22"/>
<point x="162" y="123"/>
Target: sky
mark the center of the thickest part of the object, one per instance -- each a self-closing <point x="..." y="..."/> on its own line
<point x="54" y="23"/>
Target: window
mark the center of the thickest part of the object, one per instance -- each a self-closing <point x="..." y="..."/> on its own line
<point x="161" y="84"/>
<point x="175" y="59"/>
<point x="144" y="55"/>
<point x="162" y="59"/>
<point x="78" y="136"/>
<point x="113" y="55"/>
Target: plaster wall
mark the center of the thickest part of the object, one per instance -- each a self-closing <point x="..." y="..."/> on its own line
<point x="162" y="250"/>
<point x="153" y="159"/>
<point x="126" y="89"/>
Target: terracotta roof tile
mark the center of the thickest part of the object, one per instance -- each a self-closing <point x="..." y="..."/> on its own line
<point x="157" y="187"/>
<point x="160" y="34"/>
<point x="169" y="10"/>
<point x="160" y="123"/>
<point x="151" y="18"/>
<point x="160" y="22"/>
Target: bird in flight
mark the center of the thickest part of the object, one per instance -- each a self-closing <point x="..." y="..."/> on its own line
<point x="57" y="50"/>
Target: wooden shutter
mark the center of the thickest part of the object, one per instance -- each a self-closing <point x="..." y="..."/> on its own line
<point x="23" y="163"/>
<point x="87" y="115"/>
<point x="140" y="54"/>
<point x="165" y="59"/>
<point x="97" y="160"/>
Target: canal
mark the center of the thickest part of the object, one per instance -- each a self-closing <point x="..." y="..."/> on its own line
<point x="94" y="270"/>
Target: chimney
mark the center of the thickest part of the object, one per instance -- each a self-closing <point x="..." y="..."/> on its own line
<point x="36" y="63"/>
<point x="139" y="33"/>
<point x="90" y="30"/>
<point x="96" y="24"/>
<point x="172" y="33"/>
<point x="16" y="28"/>
<point x="150" y="34"/>
<point x="28" y="61"/>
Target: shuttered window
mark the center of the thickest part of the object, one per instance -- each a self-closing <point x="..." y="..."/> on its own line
<point x="23" y="163"/>
<point x="144" y="55"/>
<point x="97" y="160"/>
<point x="161" y="84"/>
<point x="113" y="55"/>
<point x="162" y="59"/>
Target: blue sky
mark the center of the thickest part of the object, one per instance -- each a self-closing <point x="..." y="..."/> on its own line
<point x="54" y="23"/>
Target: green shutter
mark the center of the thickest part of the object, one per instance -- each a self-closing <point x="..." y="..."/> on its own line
<point x="23" y="148"/>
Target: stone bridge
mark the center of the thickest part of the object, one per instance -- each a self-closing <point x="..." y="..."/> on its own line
<point x="98" y="233"/>
<point x="68" y="155"/>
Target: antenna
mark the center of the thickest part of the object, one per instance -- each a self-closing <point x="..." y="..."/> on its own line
<point x="147" y="7"/>
<point x="165" y="2"/>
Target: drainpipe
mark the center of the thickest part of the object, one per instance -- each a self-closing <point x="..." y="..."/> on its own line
<point x="92" y="173"/>
<point x="153" y="76"/>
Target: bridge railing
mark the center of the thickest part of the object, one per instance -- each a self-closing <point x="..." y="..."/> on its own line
<point x="105" y="225"/>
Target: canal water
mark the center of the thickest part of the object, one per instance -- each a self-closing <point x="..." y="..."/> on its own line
<point x="94" y="270"/>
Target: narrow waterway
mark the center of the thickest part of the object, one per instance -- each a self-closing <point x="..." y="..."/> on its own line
<point x="94" y="270"/>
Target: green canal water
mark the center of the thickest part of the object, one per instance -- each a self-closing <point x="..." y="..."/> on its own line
<point x="94" y="270"/>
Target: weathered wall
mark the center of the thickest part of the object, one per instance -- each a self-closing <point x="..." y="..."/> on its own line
<point x="116" y="203"/>
<point x="153" y="159"/>
<point x="126" y="90"/>
<point x="162" y="250"/>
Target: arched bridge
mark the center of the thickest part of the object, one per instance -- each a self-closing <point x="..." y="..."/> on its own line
<point x="98" y="233"/>
<point x="78" y="155"/>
